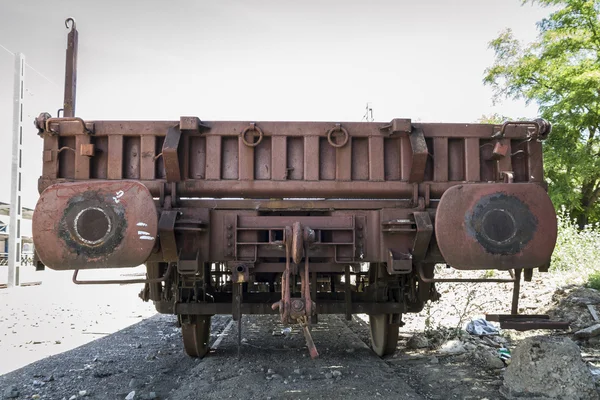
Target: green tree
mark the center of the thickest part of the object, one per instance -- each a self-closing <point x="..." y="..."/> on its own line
<point x="560" y="72"/>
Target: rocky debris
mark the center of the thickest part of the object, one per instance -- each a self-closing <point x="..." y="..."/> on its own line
<point x="548" y="367"/>
<point x="490" y="360"/>
<point x="595" y="341"/>
<point x="130" y="396"/>
<point x="149" y="396"/>
<point x="337" y="374"/>
<point x="328" y="375"/>
<point x="470" y="347"/>
<point x="11" y="392"/>
<point x="588" y="332"/>
<point x="417" y="341"/>
<point x="102" y="373"/>
<point x="453" y="347"/>
<point x="585" y="296"/>
<point x="571" y="306"/>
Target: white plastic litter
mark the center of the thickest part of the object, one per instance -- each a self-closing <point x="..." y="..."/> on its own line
<point x="481" y="327"/>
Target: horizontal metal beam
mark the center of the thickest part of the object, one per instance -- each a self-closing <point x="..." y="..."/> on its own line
<point x="285" y="128"/>
<point x="292" y="205"/>
<point x="265" y="308"/>
<point x="230" y="188"/>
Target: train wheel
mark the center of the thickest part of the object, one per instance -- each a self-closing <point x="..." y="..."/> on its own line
<point x="196" y="334"/>
<point x="384" y="335"/>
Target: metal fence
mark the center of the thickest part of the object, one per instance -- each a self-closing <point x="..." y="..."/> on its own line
<point x="26" y="259"/>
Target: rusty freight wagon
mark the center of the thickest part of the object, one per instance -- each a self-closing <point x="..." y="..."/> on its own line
<point x="295" y="218"/>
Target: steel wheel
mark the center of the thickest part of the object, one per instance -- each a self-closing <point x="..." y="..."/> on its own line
<point x="196" y="334"/>
<point x="384" y="335"/>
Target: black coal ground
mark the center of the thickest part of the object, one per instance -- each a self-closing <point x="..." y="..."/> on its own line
<point x="148" y="358"/>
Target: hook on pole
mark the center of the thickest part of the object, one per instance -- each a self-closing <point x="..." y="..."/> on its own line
<point x="72" y="21"/>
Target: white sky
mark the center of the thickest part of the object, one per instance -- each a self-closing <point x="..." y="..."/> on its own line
<point x="255" y="60"/>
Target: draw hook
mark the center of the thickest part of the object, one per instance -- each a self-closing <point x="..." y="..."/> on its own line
<point x="72" y="21"/>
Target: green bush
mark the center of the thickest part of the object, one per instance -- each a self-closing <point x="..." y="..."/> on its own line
<point x="594" y="280"/>
<point x="576" y="249"/>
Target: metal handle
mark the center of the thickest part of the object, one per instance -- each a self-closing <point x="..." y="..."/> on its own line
<point x="252" y="127"/>
<point x="542" y="128"/>
<point x="337" y="128"/>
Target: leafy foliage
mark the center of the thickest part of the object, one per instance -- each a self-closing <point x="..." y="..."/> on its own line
<point x="560" y="72"/>
<point x="594" y="280"/>
<point x="576" y="249"/>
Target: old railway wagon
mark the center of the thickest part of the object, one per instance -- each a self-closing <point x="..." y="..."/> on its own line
<point x="295" y="218"/>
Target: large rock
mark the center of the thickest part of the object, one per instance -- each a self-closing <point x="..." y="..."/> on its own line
<point x="588" y="332"/>
<point x="417" y="341"/>
<point x="11" y="392"/>
<point x="490" y="360"/>
<point x="545" y="367"/>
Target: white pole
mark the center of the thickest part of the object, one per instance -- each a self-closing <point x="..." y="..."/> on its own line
<point x="14" y="235"/>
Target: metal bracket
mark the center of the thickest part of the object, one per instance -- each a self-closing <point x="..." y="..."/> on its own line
<point x="188" y="263"/>
<point x="397" y="125"/>
<point x="166" y="235"/>
<point x="399" y="263"/>
<point x="56" y="126"/>
<point x="423" y="236"/>
<point x="501" y="149"/>
<point x="419" y="155"/>
<point x="169" y="154"/>
<point x="192" y="124"/>
<point x="240" y="271"/>
<point x="541" y="128"/>
<point x="87" y="149"/>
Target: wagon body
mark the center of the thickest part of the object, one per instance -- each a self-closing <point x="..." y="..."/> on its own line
<point x="296" y="218"/>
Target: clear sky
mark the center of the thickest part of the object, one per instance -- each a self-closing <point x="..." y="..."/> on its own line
<point x="255" y="60"/>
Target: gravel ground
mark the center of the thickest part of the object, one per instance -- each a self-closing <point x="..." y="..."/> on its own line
<point x="63" y="341"/>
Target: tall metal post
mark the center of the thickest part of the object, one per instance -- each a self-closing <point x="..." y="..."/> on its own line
<point x="14" y="234"/>
<point x="71" y="69"/>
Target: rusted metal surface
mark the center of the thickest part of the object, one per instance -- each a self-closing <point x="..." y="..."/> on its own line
<point x="298" y="218"/>
<point x="526" y="322"/>
<point x="90" y="224"/>
<point x="170" y="154"/>
<point x="380" y="165"/>
<point x="540" y="128"/>
<point x="505" y="225"/>
<point x="122" y="281"/>
<point x="71" y="70"/>
<point x="325" y="307"/>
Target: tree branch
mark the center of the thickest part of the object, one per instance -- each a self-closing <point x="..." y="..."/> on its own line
<point x="595" y="195"/>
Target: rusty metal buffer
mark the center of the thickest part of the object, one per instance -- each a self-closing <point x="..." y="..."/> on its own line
<point x="299" y="218"/>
